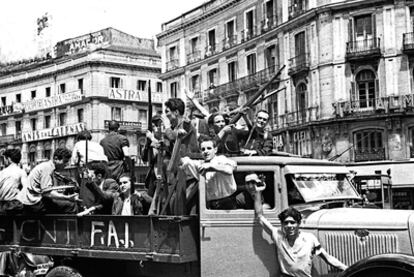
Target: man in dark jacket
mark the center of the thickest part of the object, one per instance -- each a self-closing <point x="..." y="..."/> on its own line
<point x="258" y="141"/>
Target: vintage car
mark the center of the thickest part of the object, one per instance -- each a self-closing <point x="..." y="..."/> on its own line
<point x="373" y="242"/>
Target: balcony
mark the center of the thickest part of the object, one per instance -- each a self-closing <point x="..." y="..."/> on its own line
<point x="296" y="10"/>
<point x="7" y="139"/>
<point x="373" y="154"/>
<point x="408" y="43"/>
<point x="245" y="83"/>
<point x="211" y="50"/>
<point x="248" y="34"/>
<point x="172" y="64"/>
<point x="299" y="64"/>
<point x="194" y="56"/>
<point x="268" y="23"/>
<point x="294" y="119"/>
<point x="229" y="42"/>
<point x="368" y="48"/>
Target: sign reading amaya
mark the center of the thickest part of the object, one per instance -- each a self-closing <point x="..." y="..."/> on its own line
<point x="49" y="102"/>
<point x="133" y="95"/>
<point x="60" y="131"/>
<point x="126" y="125"/>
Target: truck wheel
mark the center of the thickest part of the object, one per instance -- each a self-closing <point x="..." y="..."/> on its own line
<point x="63" y="271"/>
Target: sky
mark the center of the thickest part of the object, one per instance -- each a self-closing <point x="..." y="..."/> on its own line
<point x="141" y="18"/>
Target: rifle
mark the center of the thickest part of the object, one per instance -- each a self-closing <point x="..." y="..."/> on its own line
<point x="252" y="101"/>
<point x="155" y="206"/>
<point x="148" y="155"/>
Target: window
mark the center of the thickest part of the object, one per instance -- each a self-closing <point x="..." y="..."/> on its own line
<point x="249" y="24"/>
<point x="230" y="33"/>
<point x="80" y="115"/>
<point x="116" y="113"/>
<point x="231" y="67"/>
<point x="270" y="57"/>
<point x="115" y="82"/>
<point x="18" y="126"/>
<point x="369" y="145"/>
<point x="173" y="53"/>
<point x="269" y="15"/>
<point x="62" y="119"/>
<point x="194" y="47"/>
<point x="174" y="90"/>
<point x="142" y="115"/>
<point x="48" y="92"/>
<point x="366" y="87"/>
<point x="80" y="85"/>
<point x="251" y="64"/>
<point x="211" y="47"/>
<point x="301" y="102"/>
<point x="195" y="83"/>
<point x="243" y="198"/>
<point x="142" y="85"/>
<point x="32" y="154"/>
<point x="18" y="98"/>
<point x="46" y="122"/>
<point x="212" y="77"/>
<point x="300" y="44"/>
<point x="33" y="123"/>
<point x="363" y="26"/>
<point x="3" y="101"/>
<point x="159" y="86"/>
<point x="33" y="94"/>
<point x="62" y="88"/>
<point x="47" y="152"/>
<point x="4" y="129"/>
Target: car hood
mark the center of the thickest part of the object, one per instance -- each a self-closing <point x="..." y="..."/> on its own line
<point x="346" y="218"/>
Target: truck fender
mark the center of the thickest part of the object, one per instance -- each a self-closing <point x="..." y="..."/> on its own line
<point x="395" y="264"/>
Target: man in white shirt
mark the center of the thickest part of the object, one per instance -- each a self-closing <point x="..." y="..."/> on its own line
<point x="220" y="183"/>
<point x="95" y="150"/>
<point x="12" y="180"/>
<point x="295" y="248"/>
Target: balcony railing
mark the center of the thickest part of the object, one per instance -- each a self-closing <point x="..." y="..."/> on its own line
<point x="363" y="48"/>
<point x="296" y="118"/>
<point x="408" y="42"/>
<point x="245" y="83"/>
<point x="248" y="34"/>
<point x="296" y="10"/>
<point x="194" y="56"/>
<point x="172" y="64"/>
<point x="229" y="42"/>
<point x="373" y="154"/>
<point x="268" y="23"/>
<point x="7" y="139"/>
<point x="299" y="63"/>
<point x="211" y="49"/>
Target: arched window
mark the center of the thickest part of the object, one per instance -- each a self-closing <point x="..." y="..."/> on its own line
<point x="301" y="90"/>
<point x="366" y="88"/>
<point x="369" y="145"/>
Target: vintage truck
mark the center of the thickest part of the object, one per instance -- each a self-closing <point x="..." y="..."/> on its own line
<point x="225" y="242"/>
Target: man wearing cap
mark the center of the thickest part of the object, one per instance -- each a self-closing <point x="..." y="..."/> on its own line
<point x="115" y="148"/>
<point x="12" y="180"/>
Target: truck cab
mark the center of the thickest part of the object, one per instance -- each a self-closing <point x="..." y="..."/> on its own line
<point x="226" y="242"/>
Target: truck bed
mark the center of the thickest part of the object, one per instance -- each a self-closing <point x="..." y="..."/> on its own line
<point x="170" y="239"/>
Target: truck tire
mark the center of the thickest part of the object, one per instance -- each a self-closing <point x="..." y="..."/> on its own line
<point x="385" y="265"/>
<point x="63" y="271"/>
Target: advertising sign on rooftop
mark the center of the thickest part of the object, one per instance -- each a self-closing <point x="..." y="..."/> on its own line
<point x="133" y="95"/>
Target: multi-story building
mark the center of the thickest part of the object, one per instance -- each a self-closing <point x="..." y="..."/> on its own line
<point x="349" y="74"/>
<point x="90" y="80"/>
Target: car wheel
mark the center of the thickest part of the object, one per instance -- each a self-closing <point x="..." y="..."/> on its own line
<point x="63" y="271"/>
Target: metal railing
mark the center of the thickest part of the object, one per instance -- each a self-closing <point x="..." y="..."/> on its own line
<point x="369" y="154"/>
<point x="268" y="23"/>
<point x="245" y="83"/>
<point x="299" y="63"/>
<point x="296" y="10"/>
<point x="363" y="47"/>
<point x="248" y="34"/>
<point x="194" y="56"/>
<point x="229" y="42"/>
<point x="211" y="49"/>
<point x="172" y="64"/>
<point x="408" y="41"/>
<point x="291" y="119"/>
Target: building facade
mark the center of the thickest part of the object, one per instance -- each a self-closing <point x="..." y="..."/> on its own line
<point x="348" y="76"/>
<point x="90" y="80"/>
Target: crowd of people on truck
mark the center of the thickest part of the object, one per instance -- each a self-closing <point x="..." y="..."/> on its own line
<point x="180" y="150"/>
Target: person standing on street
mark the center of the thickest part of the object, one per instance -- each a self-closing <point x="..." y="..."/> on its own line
<point x="115" y="148"/>
<point x="295" y="249"/>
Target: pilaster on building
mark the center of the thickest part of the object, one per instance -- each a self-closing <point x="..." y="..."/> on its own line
<point x="88" y="81"/>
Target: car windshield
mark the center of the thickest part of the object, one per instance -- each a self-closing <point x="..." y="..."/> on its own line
<point x="310" y="187"/>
